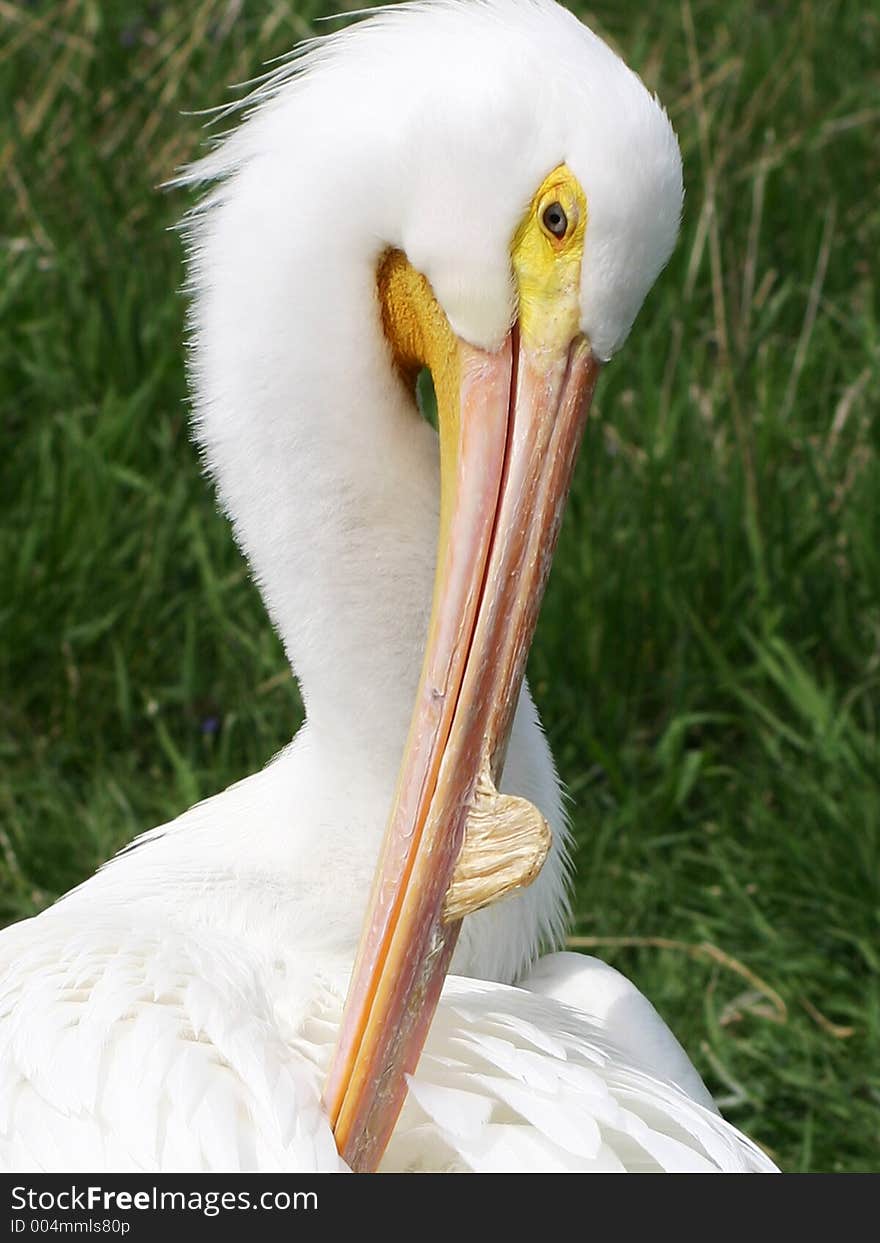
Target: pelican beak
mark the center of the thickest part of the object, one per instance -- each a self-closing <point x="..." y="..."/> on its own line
<point x="510" y="425"/>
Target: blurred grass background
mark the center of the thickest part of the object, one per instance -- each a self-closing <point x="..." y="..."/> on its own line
<point x="708" y="658"/>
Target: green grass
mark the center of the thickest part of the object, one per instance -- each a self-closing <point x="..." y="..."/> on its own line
<point x="708" y="657"/>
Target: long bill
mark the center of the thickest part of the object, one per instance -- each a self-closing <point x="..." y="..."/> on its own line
<point x="510" y="425"/>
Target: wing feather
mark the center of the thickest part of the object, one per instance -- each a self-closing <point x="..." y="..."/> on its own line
<point x="128" y="1047"/>
<point x="513" y="1081"/>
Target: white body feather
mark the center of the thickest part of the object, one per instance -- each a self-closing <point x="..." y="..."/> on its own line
<point x="133" y="1045"/>
<point x="177" y="1011"/>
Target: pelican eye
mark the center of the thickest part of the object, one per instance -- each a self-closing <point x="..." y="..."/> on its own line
<point x="555" y="220"/>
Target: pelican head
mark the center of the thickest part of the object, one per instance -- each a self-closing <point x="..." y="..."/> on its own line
<point x="482" y="188"/>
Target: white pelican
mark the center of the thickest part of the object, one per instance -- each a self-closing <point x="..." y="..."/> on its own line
<point x="482" y="188"/>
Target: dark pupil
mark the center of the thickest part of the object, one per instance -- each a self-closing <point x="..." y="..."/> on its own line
<point x="556" y="220"/>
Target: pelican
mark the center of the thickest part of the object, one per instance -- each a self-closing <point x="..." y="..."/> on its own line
<point x="483" y="189"/>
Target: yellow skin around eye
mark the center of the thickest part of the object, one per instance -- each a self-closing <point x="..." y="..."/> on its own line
<point x="547" y="268"/>
<point x="547" y="273"/>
